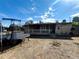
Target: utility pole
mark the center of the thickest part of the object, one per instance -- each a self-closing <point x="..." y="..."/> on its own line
<point x="1" y="37"/>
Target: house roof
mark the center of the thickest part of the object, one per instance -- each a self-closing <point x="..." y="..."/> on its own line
<point x="48" y="23"/>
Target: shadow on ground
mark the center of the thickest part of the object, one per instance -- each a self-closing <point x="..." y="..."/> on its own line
<point x="51" y="37"/>
<point x="6" y="44"/>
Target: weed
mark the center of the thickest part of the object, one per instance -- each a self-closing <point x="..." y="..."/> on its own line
<point x="55" y="43"/>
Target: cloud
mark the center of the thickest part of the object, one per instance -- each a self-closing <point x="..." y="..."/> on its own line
<point x="34" y="21"/>
<point x="74" y="3"/>
<point x="3" y="15"/>
<point x="77" y="6"/>
<point x="48" y="14"/>
<point x="27" y="11"/>
<point x="49" y="20"/>
<point x="23" y="11"/>
<point x="33" y="4"/>
<point x="76" y="14"/>
<point x="50" y="9"/>
<point x="33" y="9"/>
<point x="29" y="18"/>
<point x="46" y="19"/>
<point x="55" y="2"/>
<point x="67" y="1"/>
<point x="41" y="18"/>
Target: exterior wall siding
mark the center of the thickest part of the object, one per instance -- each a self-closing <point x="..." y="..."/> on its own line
<point x="63" y="29"/>
<point x="42" y="29"/>
<point x="49" y="29"/>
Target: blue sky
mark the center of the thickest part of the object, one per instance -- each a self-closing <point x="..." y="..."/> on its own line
<point x="44" y="10"/>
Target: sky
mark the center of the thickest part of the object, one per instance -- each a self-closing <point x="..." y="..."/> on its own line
<point x="36" y="10"/>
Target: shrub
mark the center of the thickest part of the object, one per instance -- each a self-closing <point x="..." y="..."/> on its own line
<point x="55" y="43"/>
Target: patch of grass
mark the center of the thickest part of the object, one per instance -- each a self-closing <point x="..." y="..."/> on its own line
<point x="55" y="43"/>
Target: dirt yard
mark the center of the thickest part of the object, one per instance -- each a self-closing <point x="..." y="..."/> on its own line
<point x="44" y="49"/>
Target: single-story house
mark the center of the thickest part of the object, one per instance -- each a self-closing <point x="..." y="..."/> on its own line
<point x="48" y="28"/>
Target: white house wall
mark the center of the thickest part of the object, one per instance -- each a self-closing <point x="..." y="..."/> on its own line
<point x="63" y="29"/>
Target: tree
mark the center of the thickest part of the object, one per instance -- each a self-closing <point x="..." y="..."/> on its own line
<point x="57" y="21"/>
<point x="75" y="20"/>
<point x="64" y="21"/>
<point x="13" y="27"/>
<point x="29" y="22"/>
<point x="40" y="22"/>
